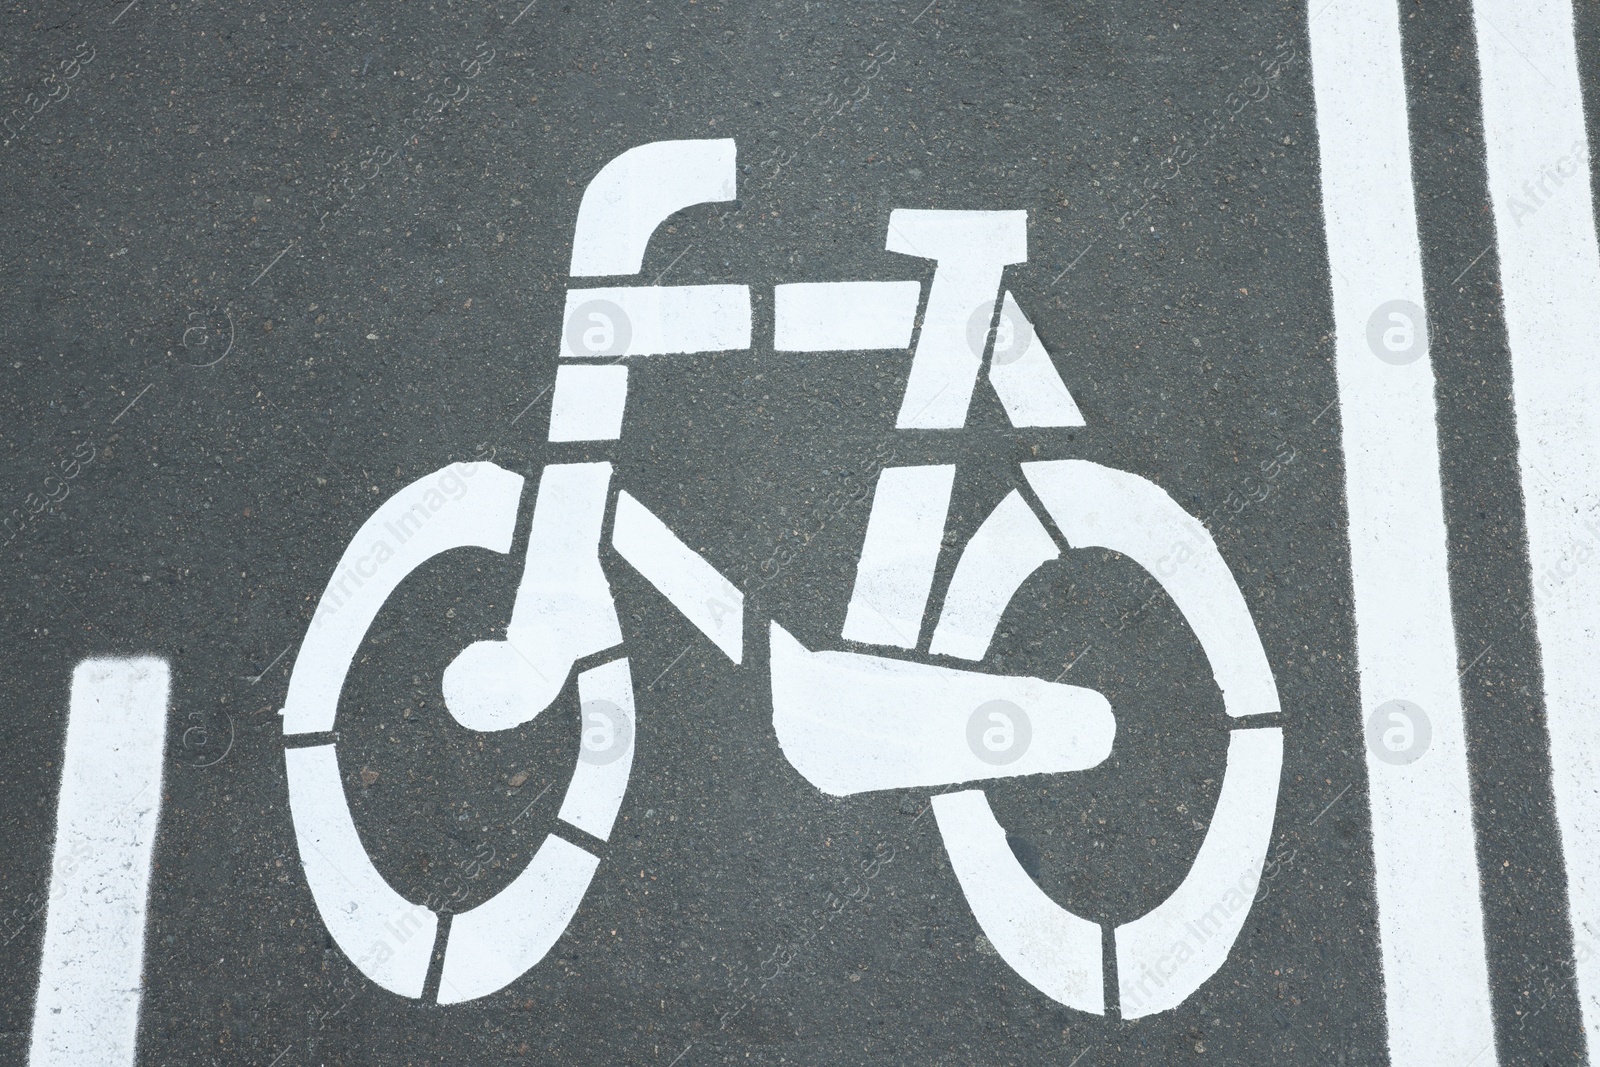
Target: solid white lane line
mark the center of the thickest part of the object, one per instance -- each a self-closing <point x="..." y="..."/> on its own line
<point x="1539" y="179"/>
<point x="693" y="586"/>
<point x="899" y="555"/>
<point x="844" y="316"/>
<point x="1430" y="919"/>
<point x="91" y="977"/>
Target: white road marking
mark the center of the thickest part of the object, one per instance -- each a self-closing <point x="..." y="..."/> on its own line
<point x="895" y="572"/>
<point x="385" y="935"/>
<point x="562" y="613"/>
<point x="851" y="723"/>
<point x="1169" y="952"/>
<point x="1025" y="377"/>
<point x="1010" y="545"/>
<point x="972" y="248"/>
<point x="1098" y="507"/>
<point x="1539" y="180"/>
<point x="1057" y="952"/>
<point x="655" y="320"/>
<point x="91" y="976"/>
<point x="594" y="795"/>
<point x="465" y="504"/>
<point x="1430" y="920"/>
<point x="844" y="316"/>
<point x="693" y="586"/>
<point x="589" y="403"/>
<point x="495" y="943"/>
<point x="636" y="192"/>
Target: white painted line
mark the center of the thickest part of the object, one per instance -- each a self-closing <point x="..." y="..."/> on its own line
<point x="844" y="316"/>
<point x="495" y="943"/>
<point x="1099" y="507"/>
<point x="465" y="504"/>
<point x="92" y="975"/>
<point x="636" y="192"/>
<point x="385" y="935"/>
<point x="1430" y="921"/>
<point x="605" y="755"/>
<point x="562" y="613"/>
<point x="972" y="248"/>
<point x="1025" y="377"/>
<point x="898" y="557"/>
<point x="1057" y="952"/>
<point x="1539" y="180"/>
<point x="851" y="723"/>
<point x="655" y="320"/>
<point x="1010" y="545"/>
<point x="589" y="403"/>
<point x="1169" y="952"/>
<point x="692" y="585"/>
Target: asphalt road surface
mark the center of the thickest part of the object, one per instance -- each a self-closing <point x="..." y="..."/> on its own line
<point x="1149" y="618"/>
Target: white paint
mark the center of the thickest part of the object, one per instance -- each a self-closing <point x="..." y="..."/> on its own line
<point x="851" y="723"/>
<point x="1539" y="180"/>
<point x="1430" y="921"/>
<point x="562" y="613"/>
<point x="1098" y="507"/>
<point x="1166" y="954"/>
<point x="386" y="936"/>
<point x="588" y="403"/>
<point x="1057" y="952"/>
<point x="895" y="571"/>
<point x="1009" y="546"/>
<point x="637" y="191"/>
<point x="464" y="505"/>
<point x="1025" y="377"/>
<point x="91" y="976"/>
<point x="972" y="249"/>
<point x="655" y="320"/>
<point x="495" y="943"/>
<point x="844" y="316"/>
<point x="689" y="583"/>
<point x="606" y="746"/>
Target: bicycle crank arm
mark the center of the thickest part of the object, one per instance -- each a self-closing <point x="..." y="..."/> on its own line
<point x="853" y="723"/>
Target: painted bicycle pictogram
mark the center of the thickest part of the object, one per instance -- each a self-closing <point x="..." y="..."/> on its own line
<point x="849" y="721"/>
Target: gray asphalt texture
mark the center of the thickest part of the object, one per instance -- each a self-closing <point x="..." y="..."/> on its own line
<point x="265" y="296"/>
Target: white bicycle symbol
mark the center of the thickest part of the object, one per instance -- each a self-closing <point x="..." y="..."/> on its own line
<point x="848" y="721"/>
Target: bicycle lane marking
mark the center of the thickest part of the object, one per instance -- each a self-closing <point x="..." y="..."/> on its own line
<point x="90" y="976"/>
<point x="1430" y="919"/>
<point x="1550" y="273"/>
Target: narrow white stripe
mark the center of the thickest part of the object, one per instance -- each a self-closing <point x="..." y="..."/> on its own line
<point x="844" y="316"/>
<point x="898" y="558"/>
<point x="1538" y="156"/>
<point x="1025" y="377"/>
<point x="678" y="572"/>
<point x="655" y="320"/>
<point x="1429" y="916"/>
<point x="91" y="977"/>
<point x="1057" y="951"/>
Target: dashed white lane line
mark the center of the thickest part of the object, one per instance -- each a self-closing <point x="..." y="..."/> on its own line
<point x="1429" y="915"/>
<point x="1538" y="161"/>
<point x="91" y="977"/>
